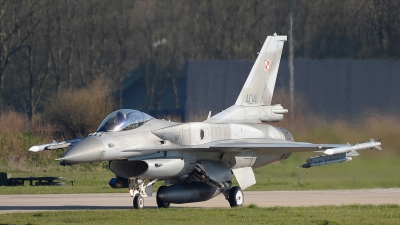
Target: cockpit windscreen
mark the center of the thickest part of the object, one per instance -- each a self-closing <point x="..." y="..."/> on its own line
<point x="124" y="119"/>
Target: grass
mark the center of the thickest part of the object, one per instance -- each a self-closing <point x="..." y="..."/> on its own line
<point x="322" y="215"/>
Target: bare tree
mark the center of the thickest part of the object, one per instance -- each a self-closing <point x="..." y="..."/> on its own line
<point x="74" y="41"/>
<point x="38" y="55"/>
<point x="122" y="44"/>
<point x="15" y="29"/>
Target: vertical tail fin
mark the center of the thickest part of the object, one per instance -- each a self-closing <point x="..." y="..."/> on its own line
<point x="259" y="87"/>
<point x="254" y="102"/>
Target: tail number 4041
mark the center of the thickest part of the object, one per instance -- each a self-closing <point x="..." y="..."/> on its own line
<point x="251" y="99"/>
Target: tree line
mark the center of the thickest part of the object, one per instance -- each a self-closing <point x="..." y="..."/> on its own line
<point x="49" y="48"/>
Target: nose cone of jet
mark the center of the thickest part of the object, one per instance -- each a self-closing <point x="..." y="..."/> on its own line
<point x="89" y="149"/>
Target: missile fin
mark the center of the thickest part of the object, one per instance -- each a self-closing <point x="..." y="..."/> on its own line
<point x="377" y="147"/>
<point x="353" y="153"/>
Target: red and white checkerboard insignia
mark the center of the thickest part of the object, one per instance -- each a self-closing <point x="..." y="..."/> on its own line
<point x="267" y="65"/>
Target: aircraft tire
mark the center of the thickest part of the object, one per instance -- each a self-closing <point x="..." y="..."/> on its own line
<point x="161" y="203"/>
<point x="236" y="197"/>
<point x="138" y="202"/>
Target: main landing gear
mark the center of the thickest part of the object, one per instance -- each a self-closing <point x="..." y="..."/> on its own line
<point x="233" y="195"/>
<point x="236" y="197"/>
<point x="200" y="188"/>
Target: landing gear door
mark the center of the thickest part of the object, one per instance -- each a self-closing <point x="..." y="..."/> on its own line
<point x="244" y="176"/>
<point x="149" y="191"/>
<point x="216" y="171"/>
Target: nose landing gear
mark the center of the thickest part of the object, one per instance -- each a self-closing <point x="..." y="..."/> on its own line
<point x="138" y="189"/>
<point x="138" y="202"/>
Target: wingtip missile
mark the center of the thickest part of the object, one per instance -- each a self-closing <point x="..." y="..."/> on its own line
<point x="35" y="149"/>
<point x="345" y="149"/>
<point x="38" y="148"/>
<point x="54" y="145"/>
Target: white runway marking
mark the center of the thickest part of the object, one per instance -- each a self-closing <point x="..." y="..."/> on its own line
<point x="30" y="203"/>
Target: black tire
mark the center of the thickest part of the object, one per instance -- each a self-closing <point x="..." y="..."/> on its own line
<point x="236" y="197"/>
<point x="161" y="203"/>
<point x="138" y="202"/>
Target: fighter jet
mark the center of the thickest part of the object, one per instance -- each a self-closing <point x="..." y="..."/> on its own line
<point x="196" y="160"/>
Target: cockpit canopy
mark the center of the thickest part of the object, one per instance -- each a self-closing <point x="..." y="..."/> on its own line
<point x="124" y="119"/>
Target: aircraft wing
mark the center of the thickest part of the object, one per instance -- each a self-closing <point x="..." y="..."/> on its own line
<point x="272" y="146"/>
<point x="333" y="153"/>
<point x="261" y="146"/>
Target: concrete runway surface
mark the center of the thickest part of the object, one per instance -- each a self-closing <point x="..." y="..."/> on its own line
<point x="31" y="203"/>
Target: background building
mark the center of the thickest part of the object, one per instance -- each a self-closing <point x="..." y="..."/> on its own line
<point x="337" y="88"/>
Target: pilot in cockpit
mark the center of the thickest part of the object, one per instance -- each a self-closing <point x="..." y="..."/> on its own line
<point x="133" y="122"/>
<point x="120" y="117"/>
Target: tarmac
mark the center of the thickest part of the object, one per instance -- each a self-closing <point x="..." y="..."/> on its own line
<point x="45" y="202"/>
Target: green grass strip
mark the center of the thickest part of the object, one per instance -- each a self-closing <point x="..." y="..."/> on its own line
<point x="251" y="214"/>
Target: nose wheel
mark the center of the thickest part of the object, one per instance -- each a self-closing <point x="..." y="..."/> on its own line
<point x="139" y="188"/>
<point x="236" y="197"/>
<point x="138" y="202"/>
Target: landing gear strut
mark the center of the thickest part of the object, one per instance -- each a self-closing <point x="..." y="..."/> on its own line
<point x="138" y="189"/>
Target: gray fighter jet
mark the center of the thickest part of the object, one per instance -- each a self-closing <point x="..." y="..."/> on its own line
<point x="196" y="160"/>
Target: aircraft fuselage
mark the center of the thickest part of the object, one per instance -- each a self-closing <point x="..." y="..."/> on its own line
<point x="159" y="139"/>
